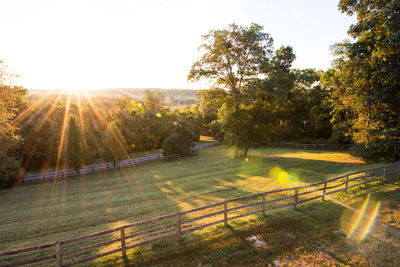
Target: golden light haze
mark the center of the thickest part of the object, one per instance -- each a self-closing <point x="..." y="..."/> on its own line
<point x="118" y="44"/>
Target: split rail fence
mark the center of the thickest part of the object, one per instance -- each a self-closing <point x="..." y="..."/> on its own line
<point x="92" y="246"/>
<point x="106" y="166"/>
<point x="334" y="147"/>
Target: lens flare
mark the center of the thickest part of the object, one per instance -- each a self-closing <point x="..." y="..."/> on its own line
<point x="371" y="220"/>
<point x="282" y="176"/>
<point x="360" y="215"/>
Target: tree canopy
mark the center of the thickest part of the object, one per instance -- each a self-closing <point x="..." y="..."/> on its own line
<point x="365" y="79"/>
<point x="11" y="100"/>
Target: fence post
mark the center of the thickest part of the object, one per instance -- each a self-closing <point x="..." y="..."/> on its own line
<point x="178" y="226"/>
<point x="365" y="177"/>
<point x="384" y="173"/>
<point x="263" y="205"/>
<point x="324" y="192"/>
<point x="58" y="254"/>
<point x="347" y="183"/>
<point x="225" y="213"/>
<point x="123" y="248"/>
<point x="296" y="196"/>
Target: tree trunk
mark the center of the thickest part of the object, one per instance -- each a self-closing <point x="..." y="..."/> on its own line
<point x="246" y="149"/>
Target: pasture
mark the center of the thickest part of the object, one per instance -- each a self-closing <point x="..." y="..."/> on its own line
<point x="63" y="208"/>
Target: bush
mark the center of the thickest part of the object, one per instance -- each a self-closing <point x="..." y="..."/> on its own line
<point x="171" y="146"/>
<point x="372" y="152"/>
<point x="9" y="170"/>
<point x="215" y="130"/>
<point x="180" y="142"/>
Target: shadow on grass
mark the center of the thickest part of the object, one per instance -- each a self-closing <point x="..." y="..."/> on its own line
<point x="311" y="235"/>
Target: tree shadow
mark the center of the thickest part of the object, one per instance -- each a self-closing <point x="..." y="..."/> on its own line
<point x="311" y="235"/>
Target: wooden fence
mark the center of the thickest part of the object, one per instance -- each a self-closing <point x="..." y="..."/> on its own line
<point x="80" y="249"/>
<point x="334" y="147"/>
<point x="106" y="166"/>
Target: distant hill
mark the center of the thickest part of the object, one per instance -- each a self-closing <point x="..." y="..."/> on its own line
<point x="173" y="97"/>
<point x="140" y="92"/>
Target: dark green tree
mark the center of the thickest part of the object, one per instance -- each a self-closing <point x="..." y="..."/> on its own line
<point x="75" y="151"/>
<point x="114" y="145"/>
<point x="181" y="140"/>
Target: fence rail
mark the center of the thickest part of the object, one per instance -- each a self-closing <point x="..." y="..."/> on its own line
<point x="107" y="166"/>
<point x="334" y="147"/>
<point x="179" y="223"/>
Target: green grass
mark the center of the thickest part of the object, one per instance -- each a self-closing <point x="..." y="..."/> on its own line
<point x="44" y="212"/>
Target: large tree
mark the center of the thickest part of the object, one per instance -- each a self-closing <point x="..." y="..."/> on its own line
<point x="366" y="78"/>
<point x="114" y="145"/>
<point x="233" y="59"/>
<point x="74" y="152"/>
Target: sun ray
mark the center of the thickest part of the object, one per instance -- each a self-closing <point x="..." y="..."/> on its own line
<point x="104" y="124"/>
<point x="25" y="113"/>
<point x="50" y="111"/>
<point x="38" y="129"/>
<point x="64" y="126"/>
<point x="81" y="122"/>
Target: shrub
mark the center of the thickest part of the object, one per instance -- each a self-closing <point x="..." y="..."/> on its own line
<point x="171" y="146"/>
<point x="181" y="141"/>
<point x="9" y="170"/>
<point x="372" y="152"/>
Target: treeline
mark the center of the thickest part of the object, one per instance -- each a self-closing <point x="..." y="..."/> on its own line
<point x="56" y="131"/>
<point x="77" y="130"/>
<point x="299" y="112"/>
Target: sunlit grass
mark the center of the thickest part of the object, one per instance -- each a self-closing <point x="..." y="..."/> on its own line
<point x="60" y="209"/>
<point x="321" y="156"/>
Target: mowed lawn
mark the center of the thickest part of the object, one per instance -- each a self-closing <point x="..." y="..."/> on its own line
<point x="41" y="212"/>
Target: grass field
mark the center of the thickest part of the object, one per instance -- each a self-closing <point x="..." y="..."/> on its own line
<point x="60" y="209"/>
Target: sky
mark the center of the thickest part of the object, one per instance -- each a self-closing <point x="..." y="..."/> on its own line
<point x="99" y="44"/>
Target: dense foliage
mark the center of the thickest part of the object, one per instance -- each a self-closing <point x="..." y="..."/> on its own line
<point x="365" y="79"/>
<point x="11" y="99"/>
<point x="181" y="141"/>
<point x="75" y="130"/>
